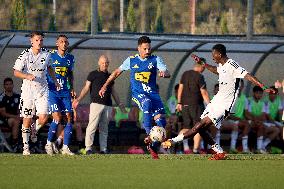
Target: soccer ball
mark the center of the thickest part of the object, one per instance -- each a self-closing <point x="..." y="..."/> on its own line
<point x="157" y="134"/>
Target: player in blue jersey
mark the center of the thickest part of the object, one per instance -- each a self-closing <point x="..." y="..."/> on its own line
<point x="144" y="68"/>
<point x="60" y="99"/>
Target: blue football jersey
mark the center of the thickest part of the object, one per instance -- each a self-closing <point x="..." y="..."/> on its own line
<point x="143" y="73"/>
<point x="63" y="67"/>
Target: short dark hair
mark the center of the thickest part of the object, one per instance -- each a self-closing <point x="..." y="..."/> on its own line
<point x="257" y="89"/>
<point x="220" y="48"/>
<point x="144" y="39"/>
<point x="33" y="33"/>
<point x="61" y="35"/>
<point x="7" y="79"/>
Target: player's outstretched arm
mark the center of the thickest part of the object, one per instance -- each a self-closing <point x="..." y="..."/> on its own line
<point x="255" y="81"/>
<point x="110" y="79"/>
<point x="209" y="67"/>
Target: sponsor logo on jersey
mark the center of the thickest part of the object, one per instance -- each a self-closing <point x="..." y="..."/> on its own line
<point x="135" y="66"/>
<point x="61" y="71"/>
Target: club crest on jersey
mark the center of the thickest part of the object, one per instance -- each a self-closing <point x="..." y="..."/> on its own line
<point x="135" y="66"/>
<point x="150" y="65"/>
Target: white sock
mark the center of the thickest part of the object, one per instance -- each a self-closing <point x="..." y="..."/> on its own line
<point x="217" y="148"/>
<point x="38" y="126"/>
<point x="179" y="138"/>
<point x="265" y="143"/>
<point x="59" y="140"/>
<point x="26" y="136"/>
<point x="185" y="145"/>
<point x="218" y="136"/>
<point x="259" y="143"/>
<point x="245" y="143"/>
<point x="234" y="137"/>
<point x="65" y="146"/>
<point x="48" y="142"/>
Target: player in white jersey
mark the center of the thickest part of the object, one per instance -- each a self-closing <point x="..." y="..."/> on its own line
<point x="32" y="66"/>
<point x="220" y="106"/>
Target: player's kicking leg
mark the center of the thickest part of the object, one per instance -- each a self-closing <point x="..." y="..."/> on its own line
<point x="201" y="128"/>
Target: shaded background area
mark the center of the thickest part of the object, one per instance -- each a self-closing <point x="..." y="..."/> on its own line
<point x="263" y="56"/>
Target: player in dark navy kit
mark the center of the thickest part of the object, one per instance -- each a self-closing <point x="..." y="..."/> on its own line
<point x="60" y="99"/>
<point x="143" y="74"/>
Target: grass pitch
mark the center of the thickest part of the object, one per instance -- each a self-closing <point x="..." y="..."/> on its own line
<point x="139" y="171"/>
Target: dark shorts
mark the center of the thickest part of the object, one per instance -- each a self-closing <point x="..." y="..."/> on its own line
<point x="191" y="115"/>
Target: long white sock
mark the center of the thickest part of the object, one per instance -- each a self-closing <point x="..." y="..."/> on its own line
<point x="259" y="143"/>
<point x="234" y="137"/>
<point x="65" y="146"/>
<point x="245" y="143"/>
<point x="217" y="148"/>
<point x="265" y="143"/>
<point x="218" y="136"/>
<point x="26" y="136"/>
<point x="185" y="145"/>
<point x="178" y="138"/>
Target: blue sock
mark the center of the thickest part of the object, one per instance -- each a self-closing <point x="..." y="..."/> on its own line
<point x="67" y="134"/>
<point x="147" y="115"/>
<point x="51" y="136"/>
<point x="161" y="121"/>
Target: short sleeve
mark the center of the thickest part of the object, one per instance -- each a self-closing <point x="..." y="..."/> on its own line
<point x="201" y="82"/>
<point x="90" y="77"/>
<point x="125" y="65"/>
<point x="238" y="71"/>
<point x="183" y="78"/>
<point x="20" y="62"/>
<point x="161" y="65"/>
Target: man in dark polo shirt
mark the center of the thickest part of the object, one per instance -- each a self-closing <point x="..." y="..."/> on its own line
<point x="9" y="110"/>
<point x="191" y="94"/>
<point x="100" y="108"/>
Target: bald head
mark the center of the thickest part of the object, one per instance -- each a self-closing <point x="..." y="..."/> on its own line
<point x="198" y="67"/>
<point x="103" y="63"/>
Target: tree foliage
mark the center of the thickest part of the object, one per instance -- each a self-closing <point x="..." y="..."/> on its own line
<point x="18" y="16"/>
<point x="131" y="18"/>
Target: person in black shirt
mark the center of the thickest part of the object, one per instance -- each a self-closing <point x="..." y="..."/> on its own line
<point x="9" y="109"/>
<point x="191" y="94"/>
<point x="100" y="108"/>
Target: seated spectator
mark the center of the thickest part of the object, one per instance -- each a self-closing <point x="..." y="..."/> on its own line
<point x="256" y="114"/>
<point x="274" y="111"/>
<point x="9" y="110"/>
<point x="237" y="122"/>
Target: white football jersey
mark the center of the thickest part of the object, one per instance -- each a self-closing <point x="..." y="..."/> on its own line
<point x="229" y="80"/>
<point x="28" y="63"/>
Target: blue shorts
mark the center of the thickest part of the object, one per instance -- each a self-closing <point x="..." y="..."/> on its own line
<point x="59" y="103"/>
<point x="156" y="101"/>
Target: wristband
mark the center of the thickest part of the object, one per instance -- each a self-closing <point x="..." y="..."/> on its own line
<point x="263" y="86"/>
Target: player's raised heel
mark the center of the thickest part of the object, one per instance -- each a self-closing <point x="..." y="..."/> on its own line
<point x="219" y="156"/>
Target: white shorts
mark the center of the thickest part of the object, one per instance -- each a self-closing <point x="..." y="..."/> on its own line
<point x="217" y="110"/>
<point x="33" y="103"/>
